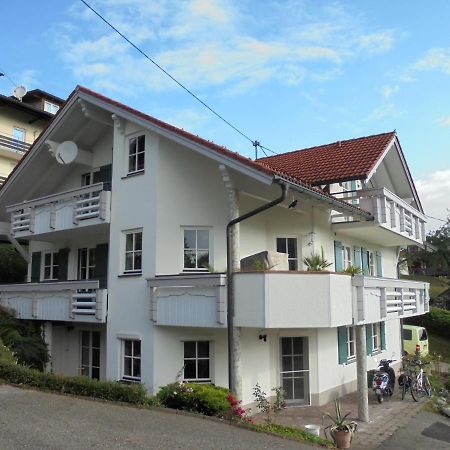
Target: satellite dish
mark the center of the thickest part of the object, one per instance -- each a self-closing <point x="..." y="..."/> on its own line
<point x="19" y="92"/>
<point x="66" y="152"/>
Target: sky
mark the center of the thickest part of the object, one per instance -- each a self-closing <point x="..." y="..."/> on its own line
<point x="288" y="73"/>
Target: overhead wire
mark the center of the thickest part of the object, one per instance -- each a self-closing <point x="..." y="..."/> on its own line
<point x="8" y="77"/>
<point x="234" y="127"/>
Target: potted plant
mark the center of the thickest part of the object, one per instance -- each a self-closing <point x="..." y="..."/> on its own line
<point x="341" y="428"/>
<point x="316" y="262"/>
<point x="353" y="270"/>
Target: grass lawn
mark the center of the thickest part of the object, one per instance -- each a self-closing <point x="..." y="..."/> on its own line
<point x="437" y="284"/>
<point x="440" y="345"/>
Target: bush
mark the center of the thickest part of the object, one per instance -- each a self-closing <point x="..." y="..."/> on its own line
<point x="436" y="321"/>
<point x="202" y="398"/>
<point x="107" y="390"/>
<point x="6" y="355"/>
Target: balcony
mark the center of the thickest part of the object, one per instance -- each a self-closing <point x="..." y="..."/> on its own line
<point x="197" y="300"/>
<point x="395" y="221"/>
<point x="278" y="299"/>
<point x="68" y="301"/>
<point x="13" y="145"/>
<point x="70" y="210"/>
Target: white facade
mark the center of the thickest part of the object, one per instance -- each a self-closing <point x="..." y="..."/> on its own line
<point x="161" y="316"/>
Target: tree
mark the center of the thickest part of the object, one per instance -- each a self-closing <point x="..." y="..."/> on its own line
<point x="13" y="268"/>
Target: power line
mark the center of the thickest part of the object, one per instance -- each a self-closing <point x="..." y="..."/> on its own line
<point x="7" y="76"/>
<point x="255" y="143"/>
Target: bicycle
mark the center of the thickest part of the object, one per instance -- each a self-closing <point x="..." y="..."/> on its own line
<point x="421" y="385"/>
<point x="405" y="381"/>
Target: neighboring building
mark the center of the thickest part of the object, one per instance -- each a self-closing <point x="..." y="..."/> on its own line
<point x="21" y="122"/>
<point x="125" y="221"/>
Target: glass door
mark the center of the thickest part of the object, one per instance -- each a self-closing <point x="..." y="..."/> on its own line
<point x="295" y="369"/>
<point x="90" y="354"/>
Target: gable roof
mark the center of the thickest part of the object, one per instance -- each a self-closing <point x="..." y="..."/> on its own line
<point x="259" y="166"/>
<point x="352" y="159"/>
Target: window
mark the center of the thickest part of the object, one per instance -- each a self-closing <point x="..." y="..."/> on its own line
<point x="289" y="246"/>
<point x="372" y="265"/>
<point x="197" y="361"/>
<point x="86" y="263"/>
<point x="90" y="354"/>
<point x="51" y="266"/>
<point x="133" y="252"/>
<point x="19" y="134"/>
<point x="351" y="352"/>
<point x="50" y="107"/>
<point x="136" y="154"/>
<point x="347" y="256"/>
<point x="407" y="335"/>
<point x="376" y="340"/>
<point x="196" y="249"/>
<point x="132" y="360"/>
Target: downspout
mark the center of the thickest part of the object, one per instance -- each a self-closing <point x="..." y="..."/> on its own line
<point x="234" y="380"/>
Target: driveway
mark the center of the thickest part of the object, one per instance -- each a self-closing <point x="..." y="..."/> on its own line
<point x="36" y="420"/>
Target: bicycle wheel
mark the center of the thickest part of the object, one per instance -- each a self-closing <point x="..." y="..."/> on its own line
<point x="403" y="390"/>
<point x="413" y="389"/>
<point x="427" y="386"/>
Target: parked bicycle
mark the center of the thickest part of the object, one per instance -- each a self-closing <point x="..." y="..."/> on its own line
<point x="421" y="385"/>
<point x="405" y="379"/>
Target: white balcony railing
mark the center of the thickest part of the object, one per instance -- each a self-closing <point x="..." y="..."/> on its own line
<point x="88" y="205"/>
<point x="71" y="301"/>
<point x="284" y="299"/>
<point x="389" y="211"/>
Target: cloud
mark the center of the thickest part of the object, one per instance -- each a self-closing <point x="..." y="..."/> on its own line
<point x="444" y="121"/>
<point x="435" y="59"/>
<point x="387" y="90"/>
<point x="383" y="111"/>
<point x="210" y="43"/>
<point x="434" y="192"/>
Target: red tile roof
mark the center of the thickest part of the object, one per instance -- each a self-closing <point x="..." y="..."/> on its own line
<point x="340" y="161"/>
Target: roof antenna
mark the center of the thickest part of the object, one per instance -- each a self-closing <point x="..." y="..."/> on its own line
<point x="256" y="144"/>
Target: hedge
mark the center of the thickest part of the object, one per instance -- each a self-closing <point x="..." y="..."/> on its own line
<point x="436" y="321"/>
<point x="205" y="399"/>
<point x="107" y="390"/>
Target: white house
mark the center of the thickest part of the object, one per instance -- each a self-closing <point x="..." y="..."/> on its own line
<point x="123" y="220"/>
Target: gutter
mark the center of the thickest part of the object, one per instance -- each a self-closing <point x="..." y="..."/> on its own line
<point x="232" y="353"/>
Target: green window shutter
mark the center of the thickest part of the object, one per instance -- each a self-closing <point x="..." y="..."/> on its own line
<point x="63" y="261"/>
<point x="357" y="257"/>
<point x="369" y="340"/>
<point x="36" y="267"/>
<point x="365" y="262"/>
<point x="338" y="258"/>
<point x="101" y="264"/>
<point x="342" y="344"/>
<point x="379" y="265"/>
<point x="383" y="335"/>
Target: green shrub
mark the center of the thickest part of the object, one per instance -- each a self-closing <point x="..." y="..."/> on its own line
<point x="107" y="390"/>
<point x="6" y="355"/>
<point x="437" y="321"/>
<point x="202" y="398"/>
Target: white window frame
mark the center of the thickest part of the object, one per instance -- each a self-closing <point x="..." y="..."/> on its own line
<point x="134" y="251"/>
<point x="131" y="377"/>
<point x="90" y="263"/>
<point x="351" y="344"/>
<point x="376" y="337"/>
<point x="86" y="369"/>
<point x="196" y="358"/>
<point x="347" y="256"/>
<point x="372" y="263"/>
<point x="52" y="266"/>
<point x="23" y="131"/>
<point x="135" y="155"/>
<point x="50" y="107"/>
<point x="197" y="249"/>
<point x="296" y="259"/>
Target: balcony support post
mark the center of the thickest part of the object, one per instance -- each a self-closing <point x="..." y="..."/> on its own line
<point x="361" y="373"/>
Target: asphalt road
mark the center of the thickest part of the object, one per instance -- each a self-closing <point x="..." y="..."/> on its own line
<point x="37" y="420"/>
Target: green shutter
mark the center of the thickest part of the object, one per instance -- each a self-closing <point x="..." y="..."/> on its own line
<point x="36" y="267"/>
<point x="357" y="257"/>
<point x="365" y="262"/>
<point x="383" y="335"/>
<point x="101" y="264"/>
<point x="63" y="261"/>
<point x="338" y="257"/>
<point x="369" y="340"/>
<point x="342" y="344"/>
<point x="379" y="265"/>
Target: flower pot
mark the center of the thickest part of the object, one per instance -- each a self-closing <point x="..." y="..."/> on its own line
<point x="342" y="438"/>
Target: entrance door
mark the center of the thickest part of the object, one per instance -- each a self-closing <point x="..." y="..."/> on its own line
<point x="295" y="369"/>
<point x="90" y="354"/>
